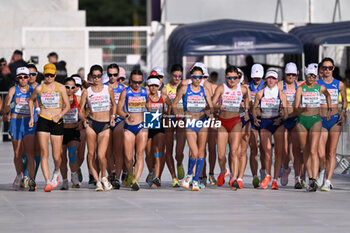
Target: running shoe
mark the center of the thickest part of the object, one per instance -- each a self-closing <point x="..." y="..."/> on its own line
<point x="92" y="179"/>
<point x="203" y="180"/>
<point x="175" y="183"/>
<point x="116" y="184"/>
<point x="180" y="172"/>
<point x="302" y="181"/>
<point x="99" y="186"/>
<point x="321" y="176"/>
<point x="201" y="185"/>
<point x="256" y="182"/>
<point x="126" y="180"/>
<point x="31" y="185"/>
<point x="124" y="176"/>
<point x="274" y="185"/>
<point x="240" y="183"/>
<point x="262" y="174"/>
<point x="186" y="182"/>
<point x="24" y="182"/>
<point x="156" y="182"/>
<point x="75" y="180"/>
<point x="80" y="175"/>
<point x="297" y="184"/>
<point x="230" y="182"/>
<point x="281" y="172"/>
<point x="195" y="186"/>
<point x="64" y="185"/>
<point x="55" y="180"/>
<point x="135" y="185"/>
<point x="265" y="182"/>
<point x="129" y="180"/>
<point x="221" y="178"/>
<point x="326" y="186"/>
<point x="212" y="180"/>
<point x="16" y="185"/>
<point x="48" y="187"/>
<point x="234" y="185"/>
<point x="312" y="187"/>
<point x="111" y="177"/>
<point x="284" y="179"/>
<point x="149" y="179"/>
<point x="106" y="184"/>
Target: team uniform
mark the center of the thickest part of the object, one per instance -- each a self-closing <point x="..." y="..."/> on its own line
<point x="270" y="109"/>
<point x="290" y="123"/>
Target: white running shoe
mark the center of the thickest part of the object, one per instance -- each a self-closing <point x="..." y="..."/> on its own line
<point x="55" y="179"/>
<point x="284" y="178"/>
<point x="195" y="186"/>
<point x="186" y="182"/>
<point x="320" y="180"/>
<point x="107" y="186"/>
<point x="327" y="186"/>
<point x="16" y="185"/>
<point x="75" y="180"/>
<point x="99" y="186"/>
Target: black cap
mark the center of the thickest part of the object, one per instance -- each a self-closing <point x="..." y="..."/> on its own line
<point x="18" y="52"/>
<point x="52" y="54"/>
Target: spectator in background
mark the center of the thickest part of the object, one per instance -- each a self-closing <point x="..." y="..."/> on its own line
<point x="5" y="76"/>
<point x="213" y="77"/>
<point x="16" y="61"/>
<point x="336" y="74"/>
<point x="61" y="71"/>
<point x="81" y="73"/>
<point x="121" y="76"/>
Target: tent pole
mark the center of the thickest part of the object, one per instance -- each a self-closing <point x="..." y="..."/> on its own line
<point x="184" y="67"/>
<point x="303" y="65"/>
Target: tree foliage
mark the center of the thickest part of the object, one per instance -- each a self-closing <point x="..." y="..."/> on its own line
<point x="113" y="12"/>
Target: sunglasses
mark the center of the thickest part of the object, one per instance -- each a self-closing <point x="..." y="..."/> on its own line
<point x="114" y="75"/>
<point x="96" y="76"/>
<point x="136" y="82"/>
<point x="311" y="76"/>
<point x="70" y="87"/>
<point x="197" y="76"/>
<point x="22" y="77"/>
<point x="293" y="75"/>
<point x="49" y="75"/>
<point x="33" y="74"/>
<point x="153" y="85"/>
<point x="232" y="77"/>
<point x="177" y="76"/>
<point x="327" y="68"/>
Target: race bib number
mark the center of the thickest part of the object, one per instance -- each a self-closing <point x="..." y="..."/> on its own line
<point x="290" y="94"/>
<point x="157" y="107"/>
<point x="270" y="107"/>
<point x="116" y="97"/>
<point x="71" y="116"/>
<point x="311" y="99"/>
<point x="50" y="99"/>
<point x="99" y="103"/>
<point x="232" y="102"/>
<point x="334" y="96"/>
<point x="22" y="106"/>
<point x="195" y="103"/>
<point x="137" y="104"/>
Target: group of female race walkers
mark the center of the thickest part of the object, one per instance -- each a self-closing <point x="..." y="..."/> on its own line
<point x="303" y="118"/>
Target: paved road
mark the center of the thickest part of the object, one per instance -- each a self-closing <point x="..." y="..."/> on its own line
<point x="170" y="210"/>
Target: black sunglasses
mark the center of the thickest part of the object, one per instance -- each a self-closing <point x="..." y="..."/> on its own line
<point x="96" y="76"/>
<point x="49" y="75"/>
<point x="136" y="82"/>
<point x="33" y="74"/>
<point x="114" y="75"/>
<point x="327" y="68"/>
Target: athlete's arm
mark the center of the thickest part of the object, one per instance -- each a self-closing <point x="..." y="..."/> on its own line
<point x="177" y="99"/>
<point x="82" y="103"/>
<point x="280" y="85"/>
<point x="114" y="106"/>
<point x="208" y="98"/>
<point x="33" y="97"/>
<point x="256" y="106"/>
<point x="328" y="99"/>
<point x="218" y="92"/>
<point x="246" y="96"/>
<point x="167" y="101"/>
<point x="121" y="104"/>
<point x="8" y="100"/>
<point x="297" y="101"/>
<point x="284" y="112"/>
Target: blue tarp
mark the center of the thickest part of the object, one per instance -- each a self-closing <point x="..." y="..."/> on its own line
<point x="229" y="37"/>
<point x="314" y="35"/>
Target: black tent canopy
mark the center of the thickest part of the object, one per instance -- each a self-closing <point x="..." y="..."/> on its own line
<point x="315" y="35"/>
<point x="229" y="37"/>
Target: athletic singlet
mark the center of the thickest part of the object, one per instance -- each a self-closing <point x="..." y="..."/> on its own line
<point x="50" y="99"/>
<point x="171" y="93"/>
<point x="311" y="96"/>
<point x="194" y="101"/>
<point x="347" y="97"/>
<point x="290" y="94"/>
<point x="270" y="104"/>
<point x="135" y="102"/>
<point x="157" y="106"/>
<point x="117" y="92"/>
<point x="254" y="90"/>
<point x="72" y="115"/>
<point x="22" y="107"/>
<point x="99" y="101"/>
<point x="332" y="88"/>
<point x="232" y="98"/>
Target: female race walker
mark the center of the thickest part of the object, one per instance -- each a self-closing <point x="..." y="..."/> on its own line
<point x="50" y="123"/>
<point x="230" y="96"/>
<point x="272" y="104"/>
<point x="100" y="98"/>
<point x="307" y="107"/>
<point x="195" y="99"/>
<point x="134" y="99"/>
<point x="22" y="135"/>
